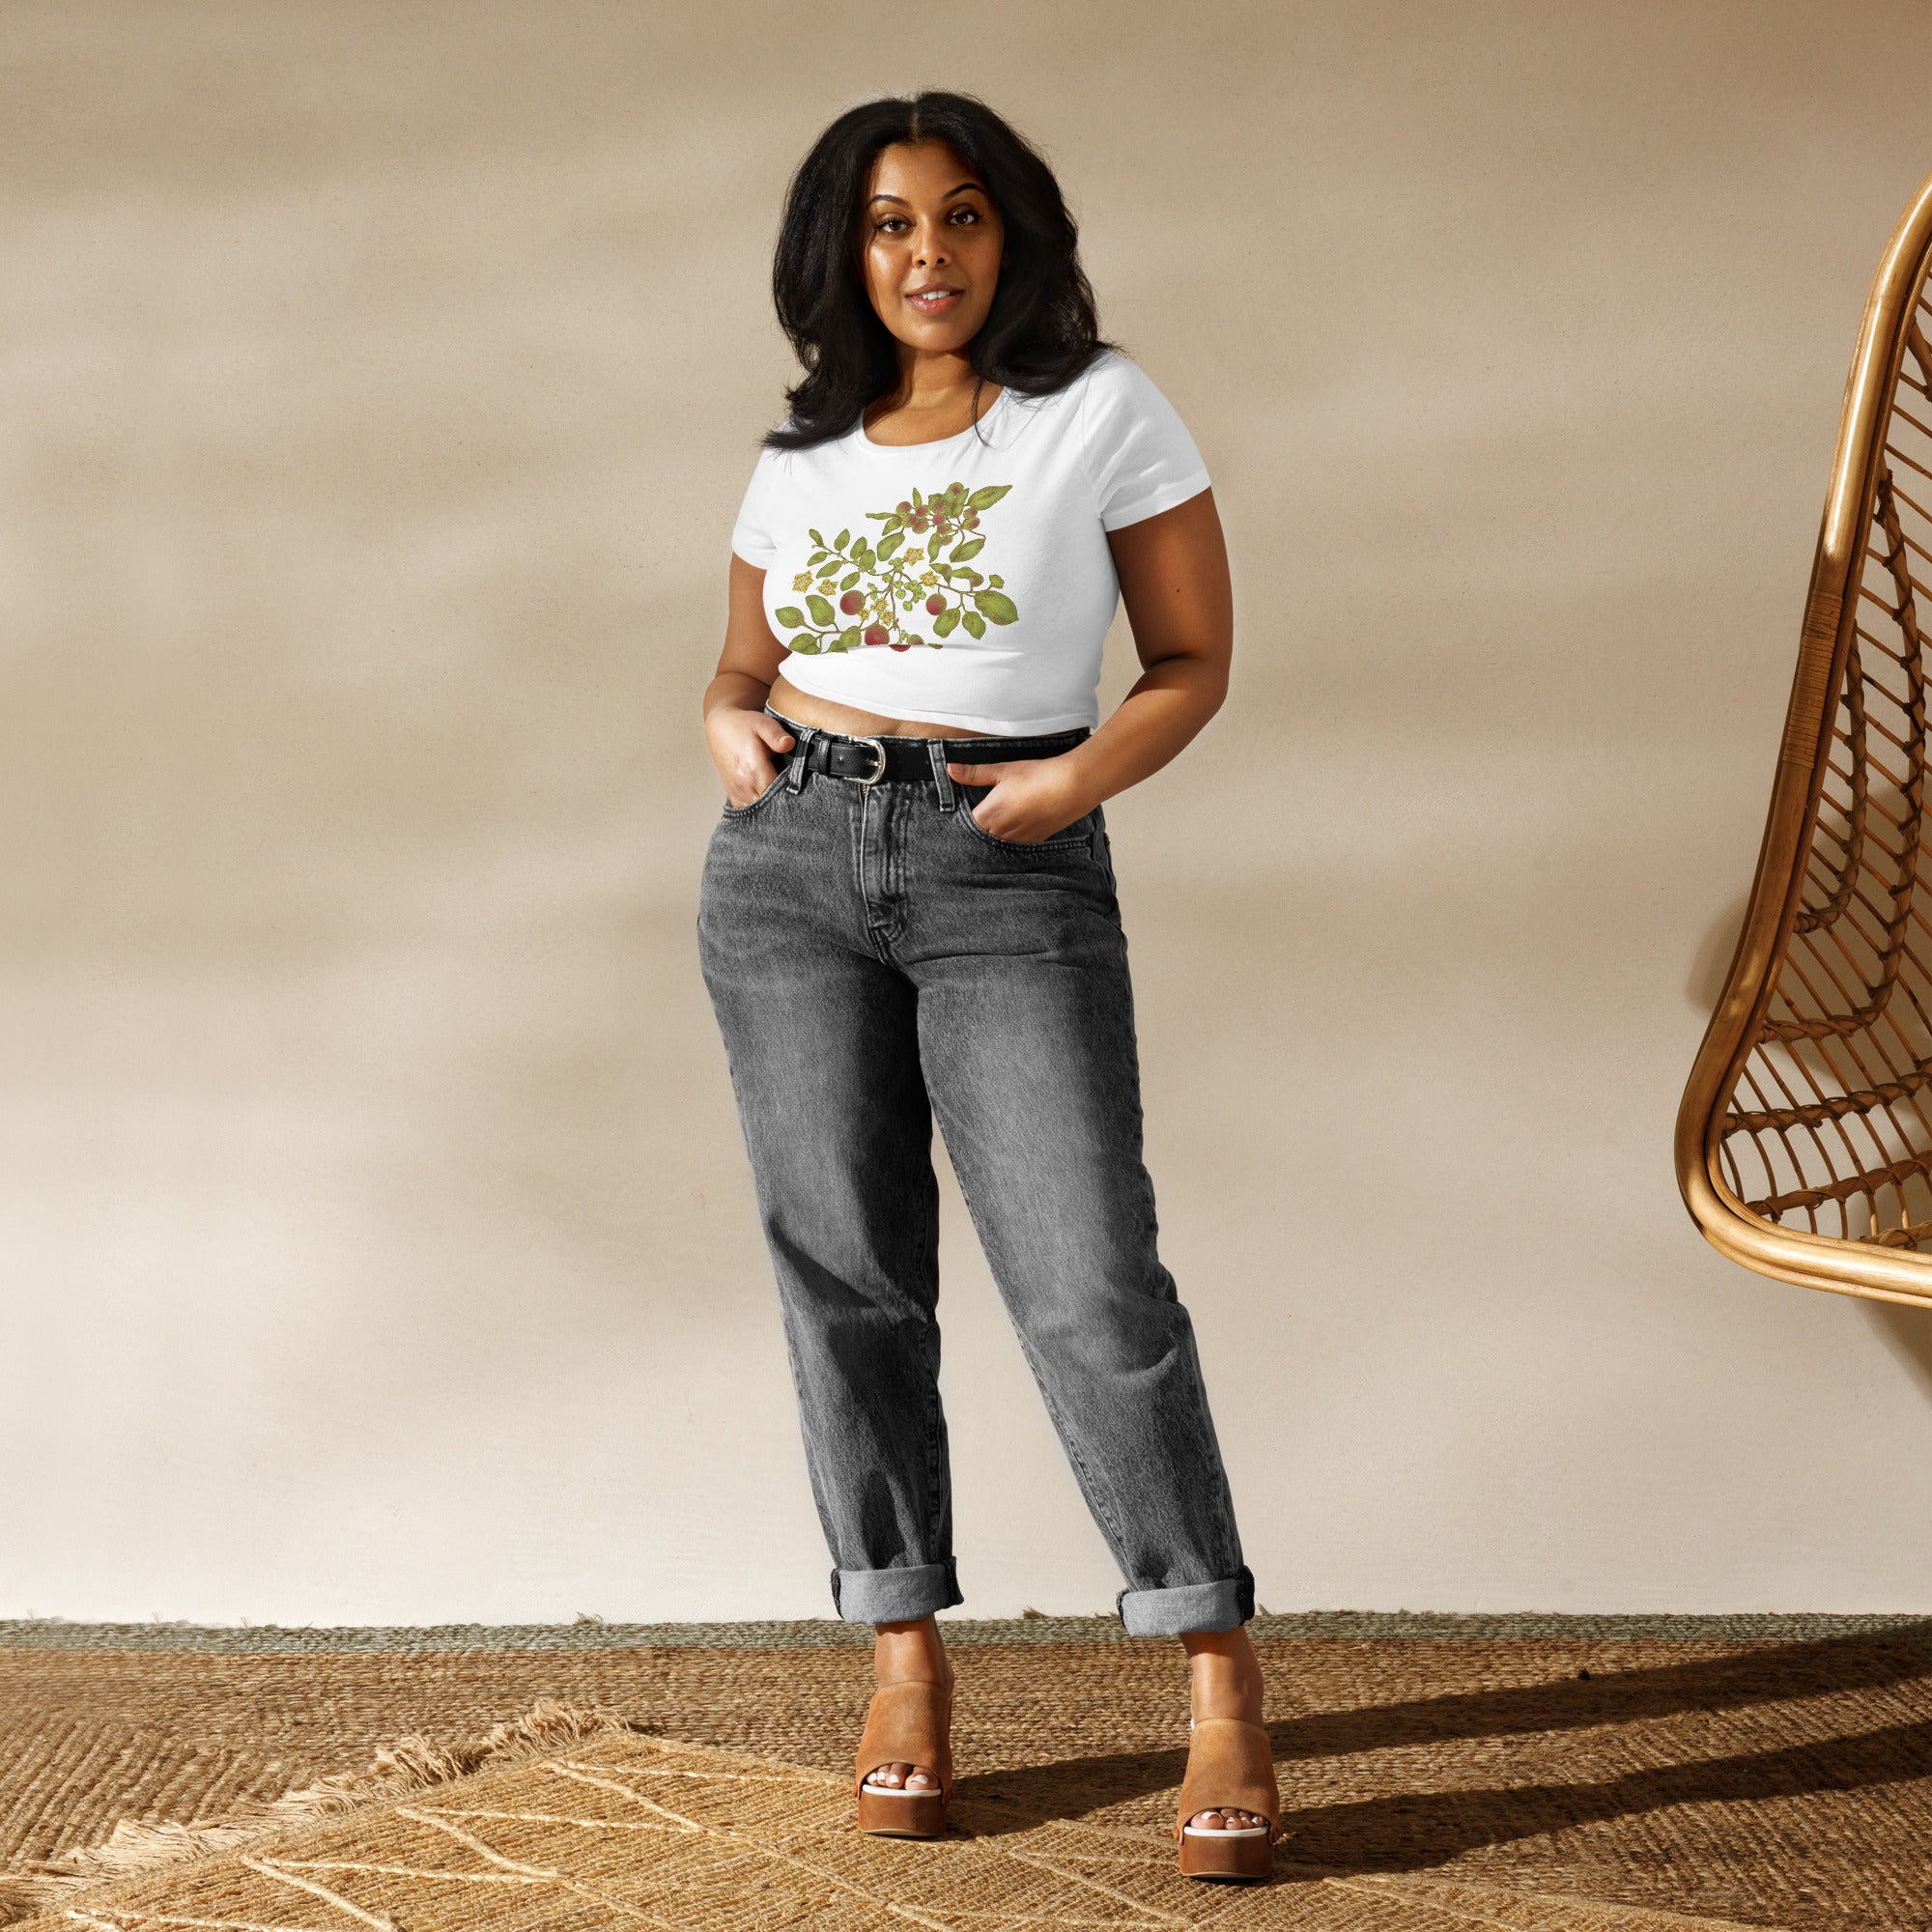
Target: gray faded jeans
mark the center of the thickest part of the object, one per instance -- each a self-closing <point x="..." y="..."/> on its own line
<point x="875" y="958"/>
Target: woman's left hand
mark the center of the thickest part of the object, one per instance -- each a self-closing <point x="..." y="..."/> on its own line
<point x="1030" y="798"/>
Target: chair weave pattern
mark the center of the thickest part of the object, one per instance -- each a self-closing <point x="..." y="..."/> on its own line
<point x="1830" y="1127"/>
<point x="1805" y="1140"/>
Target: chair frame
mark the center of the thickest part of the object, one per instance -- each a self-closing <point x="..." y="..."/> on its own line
<point x="1837" y="1263"/>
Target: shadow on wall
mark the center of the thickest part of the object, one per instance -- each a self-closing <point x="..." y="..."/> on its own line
<point x="1711" y="964"/>
<point x="1908" y="1333"/>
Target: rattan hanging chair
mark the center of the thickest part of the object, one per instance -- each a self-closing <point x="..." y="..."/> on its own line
<point x="1805" y="1140"/>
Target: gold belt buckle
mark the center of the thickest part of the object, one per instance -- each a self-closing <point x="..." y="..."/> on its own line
<point x="865" y="784"/>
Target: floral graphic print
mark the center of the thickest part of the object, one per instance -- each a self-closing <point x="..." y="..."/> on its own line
<point x="859" y="592"/>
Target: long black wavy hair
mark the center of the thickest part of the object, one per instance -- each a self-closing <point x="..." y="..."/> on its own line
<point x="1042" y="329"/>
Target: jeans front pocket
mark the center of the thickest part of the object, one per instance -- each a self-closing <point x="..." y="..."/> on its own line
<point x="1077" y="836"/>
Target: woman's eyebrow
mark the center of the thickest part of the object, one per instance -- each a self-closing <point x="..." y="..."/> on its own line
<point x="946" y="196"/>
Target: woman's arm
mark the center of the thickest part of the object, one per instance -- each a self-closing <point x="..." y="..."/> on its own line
<point x="741" y="734"/>
<point x="1173" y="582"/>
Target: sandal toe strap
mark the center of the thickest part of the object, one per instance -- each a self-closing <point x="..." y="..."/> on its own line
<point x="908" y="1723"/>
<point x="1229" y="1767"/>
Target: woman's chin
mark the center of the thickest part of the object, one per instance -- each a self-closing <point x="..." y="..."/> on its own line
<point x="935" y="335"/>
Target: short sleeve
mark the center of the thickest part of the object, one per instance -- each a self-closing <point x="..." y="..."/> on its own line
<point x="1139" y="453"/>
<point x="754" y="535"/>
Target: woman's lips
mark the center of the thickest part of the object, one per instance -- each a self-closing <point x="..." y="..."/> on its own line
<point x="936" y="302"/>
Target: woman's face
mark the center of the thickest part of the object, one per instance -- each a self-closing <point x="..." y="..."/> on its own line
<point x="930" y="242"/>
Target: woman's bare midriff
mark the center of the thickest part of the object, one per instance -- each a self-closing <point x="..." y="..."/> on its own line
<point x="807" y="709"/>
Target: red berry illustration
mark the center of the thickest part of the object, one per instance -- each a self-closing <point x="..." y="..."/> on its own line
<point x="864" y="610"/>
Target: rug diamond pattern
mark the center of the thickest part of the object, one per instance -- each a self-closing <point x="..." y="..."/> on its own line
<point x="629" y="1830"/>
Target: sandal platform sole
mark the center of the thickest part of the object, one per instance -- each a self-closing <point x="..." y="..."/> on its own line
<point x="1226" y="1855"/>
<point x="902" y="1814"/>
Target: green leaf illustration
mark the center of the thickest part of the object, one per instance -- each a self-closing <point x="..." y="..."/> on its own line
<point x="894" y="583"/>
<point x="996" y="580"/>
<point x="934" y="643"/>
<point x="789" y="615"/>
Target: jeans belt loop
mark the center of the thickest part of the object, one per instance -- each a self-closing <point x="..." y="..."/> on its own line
<point x="795" y="776"/>
<point x="942" y="779"/>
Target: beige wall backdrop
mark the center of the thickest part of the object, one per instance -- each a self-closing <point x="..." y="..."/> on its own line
<point x="378" y="384"/>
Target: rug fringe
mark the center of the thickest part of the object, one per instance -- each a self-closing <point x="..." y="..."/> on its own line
<point x="410" y="1765"/>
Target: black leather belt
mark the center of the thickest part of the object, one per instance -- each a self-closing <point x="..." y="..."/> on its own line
<point x="907" y="760"/>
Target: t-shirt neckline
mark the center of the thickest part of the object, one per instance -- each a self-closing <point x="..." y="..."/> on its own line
<point x="999" y="403"/>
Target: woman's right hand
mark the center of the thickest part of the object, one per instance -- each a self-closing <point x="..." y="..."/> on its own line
<point x="742" y="741"/>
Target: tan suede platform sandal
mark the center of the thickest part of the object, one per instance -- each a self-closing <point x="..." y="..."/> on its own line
<point x="908" y="1723"/>
<point x="1230" y="1767"/>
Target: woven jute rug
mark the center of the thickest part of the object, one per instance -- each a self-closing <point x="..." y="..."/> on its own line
<point x="579" y="1822"/>
<point x="1761" y="1772"/>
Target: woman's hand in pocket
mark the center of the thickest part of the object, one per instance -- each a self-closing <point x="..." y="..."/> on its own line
<point x="742" y="743"/>
<point x="1030" y="798"/>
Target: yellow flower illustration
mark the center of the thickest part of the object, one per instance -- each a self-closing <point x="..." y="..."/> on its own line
<point x="803" y="580"/>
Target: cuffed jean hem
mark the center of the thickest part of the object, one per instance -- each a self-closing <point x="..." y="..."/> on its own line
<point x="895" y="1596"/>
<point x="1188" y="1606"/>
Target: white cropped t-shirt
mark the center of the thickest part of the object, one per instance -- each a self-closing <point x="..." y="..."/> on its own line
<point x="967" y="582"/>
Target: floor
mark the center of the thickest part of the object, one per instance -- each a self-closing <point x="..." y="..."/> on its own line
<point x="1781" y="1780"/>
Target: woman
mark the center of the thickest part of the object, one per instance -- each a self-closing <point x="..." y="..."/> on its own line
<point x="908" y="904"/>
